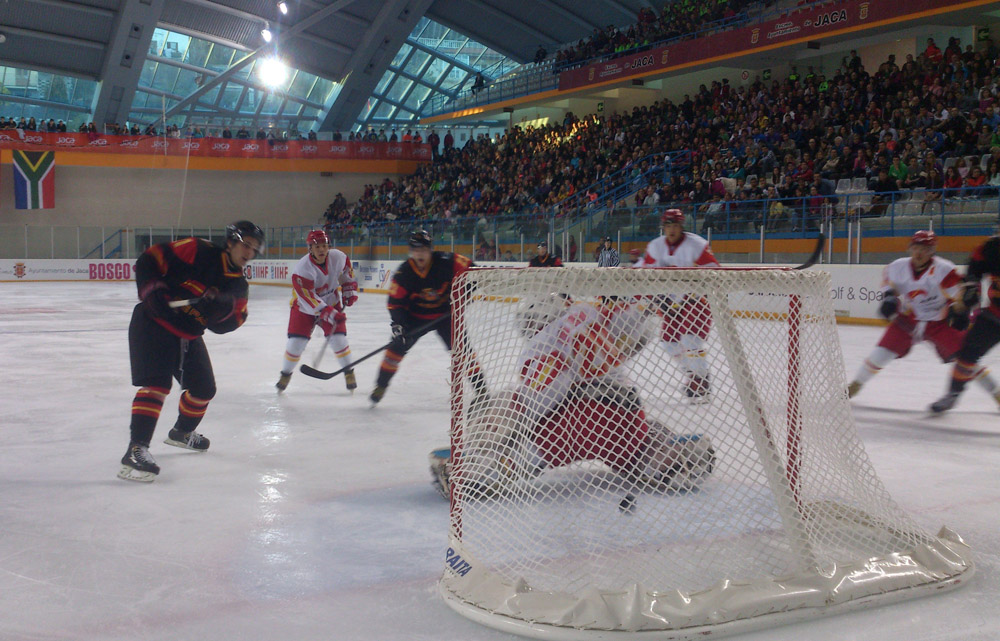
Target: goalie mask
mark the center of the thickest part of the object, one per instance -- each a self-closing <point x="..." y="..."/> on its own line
<point x="536" y="314"/>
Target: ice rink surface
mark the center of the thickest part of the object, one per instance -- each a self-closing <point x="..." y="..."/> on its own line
<point x="312" y="516"/>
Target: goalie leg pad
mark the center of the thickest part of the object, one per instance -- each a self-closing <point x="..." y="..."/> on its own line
<point x="680" y="464"/>
<point x="440" y="460"/>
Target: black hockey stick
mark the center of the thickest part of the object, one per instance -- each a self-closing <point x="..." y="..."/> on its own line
<point x="814" y="258"/>
<point x="419" y="331"/>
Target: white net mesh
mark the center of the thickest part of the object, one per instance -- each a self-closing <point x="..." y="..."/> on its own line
<point x="630" y="446"/>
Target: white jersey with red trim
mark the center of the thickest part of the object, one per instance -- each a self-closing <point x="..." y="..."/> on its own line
<point x="315" y="287"/>
<point x="585" y="342"/>
<point x="924" y="297"/>
<point x="691" y="251"/>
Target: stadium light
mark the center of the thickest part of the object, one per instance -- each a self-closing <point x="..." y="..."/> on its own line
<point x="283" y="7"/>
<point x="272" y="72"/>
<point x="265" y="33"/>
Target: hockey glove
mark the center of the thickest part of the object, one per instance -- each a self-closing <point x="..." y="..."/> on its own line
<point x="215" y="305"/>
<point x="958" y="320"/>
<point x="326" y="315"/>
<point x="156" y="299"/>
<point x="349" y="293"/>
<point x="889" y="306"/>
<point x="399" y="333"/>
<point x="971" y="295"/>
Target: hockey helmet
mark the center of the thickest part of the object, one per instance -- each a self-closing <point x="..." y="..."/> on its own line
<point x="420" y="238"/>
<point x="317" y="237"/>
<point x="924" y="237"/>
<point x="672" y="216"/>
<point x="243" y="230"/>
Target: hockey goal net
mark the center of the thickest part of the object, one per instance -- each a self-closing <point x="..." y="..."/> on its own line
<point x="666" y="451"/>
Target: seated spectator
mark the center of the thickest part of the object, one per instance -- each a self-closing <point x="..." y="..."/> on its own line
<point x="974" y="183"/>
<point x="885" y="191"/>
<point x="952" y="182"/>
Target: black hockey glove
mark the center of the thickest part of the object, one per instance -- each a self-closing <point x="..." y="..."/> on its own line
<point x="971" y="295"/>
<point x="215" y="305"/>
<point x="889" y="306"/>
<point x="399" y="333"/>
<point x="155" y="297"/>
<point x="958" y="320"/>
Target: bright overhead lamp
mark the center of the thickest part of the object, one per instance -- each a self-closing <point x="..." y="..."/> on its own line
<point x="272" y="72"/>
<point x="265" y="33"/>
<point x="283" y="7"/>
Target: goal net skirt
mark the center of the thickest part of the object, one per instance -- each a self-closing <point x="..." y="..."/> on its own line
<point x="668" y="452"/>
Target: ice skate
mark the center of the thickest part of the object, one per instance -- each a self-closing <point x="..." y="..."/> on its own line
<point x="944" y="403"/>
<point x="282" y="383"/>
<point x="377" y="395"/>
<point x="187" y="440"/>
<point x="138" y="464"/>
<point x="350" y="380"/>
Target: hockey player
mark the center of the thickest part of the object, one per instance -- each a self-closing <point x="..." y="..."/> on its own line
<point x="918" y="295"/>
<point x="420" y="292"/>
<point x="577" y="404"/>
<point x="322" y="286"/>
<point x="165" y="340"/>
<point x="543" y="258"/>
<point x="985" y="330"/>
<point x="687" y="320"/>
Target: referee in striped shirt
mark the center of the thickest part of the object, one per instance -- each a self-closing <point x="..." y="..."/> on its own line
<point x="609" y="255"/>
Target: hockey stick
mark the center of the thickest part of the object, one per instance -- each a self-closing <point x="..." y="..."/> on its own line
<point x="183" y="303"/>
<point x="814" y="258"/>
<point x="315" y="373"/>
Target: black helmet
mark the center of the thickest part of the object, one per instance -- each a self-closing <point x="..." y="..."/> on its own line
<point x="242" y="230"/>
<point x="420" y="238"/>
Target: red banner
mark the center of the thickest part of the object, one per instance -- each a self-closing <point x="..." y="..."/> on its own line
<point x="213" y="147"/>
<point x="812" y="23"/>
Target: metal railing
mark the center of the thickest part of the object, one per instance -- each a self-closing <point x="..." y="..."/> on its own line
<point x="958" y="212"/>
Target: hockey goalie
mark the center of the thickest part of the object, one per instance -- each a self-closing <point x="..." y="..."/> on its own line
<point x="573" y="403"/>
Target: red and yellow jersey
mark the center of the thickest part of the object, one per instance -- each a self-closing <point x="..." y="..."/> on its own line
<point x="425" y="295"/>
<point x="188" y="268"/>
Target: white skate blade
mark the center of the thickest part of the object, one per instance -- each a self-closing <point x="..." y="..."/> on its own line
<point x="181" y="444"/>
<point x="131" y="474"/>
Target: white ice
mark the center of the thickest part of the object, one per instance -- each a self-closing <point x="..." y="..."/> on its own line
<point x="312" y="516"/>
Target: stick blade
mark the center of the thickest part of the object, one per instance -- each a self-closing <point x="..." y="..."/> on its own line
<point x="315" y="373"/>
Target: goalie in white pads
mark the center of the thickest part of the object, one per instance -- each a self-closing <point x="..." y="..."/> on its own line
<point x="687" y="319"/>
<point x="322" y="286"/>
<point x="918" y="293"/>
<point x="574" y="394"/>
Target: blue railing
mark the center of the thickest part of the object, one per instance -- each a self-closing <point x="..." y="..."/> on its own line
<point x="110" y="247"/>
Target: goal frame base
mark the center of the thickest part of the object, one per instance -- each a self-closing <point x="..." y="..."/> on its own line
<point x="737" y="607"/>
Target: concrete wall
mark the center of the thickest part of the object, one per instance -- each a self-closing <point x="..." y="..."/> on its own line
<point x="129" y="196"/>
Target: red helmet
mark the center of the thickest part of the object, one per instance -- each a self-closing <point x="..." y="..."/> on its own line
<point x="924" y="237"/>
<point x="316" y="237"/>
<point x="672" y="216"/>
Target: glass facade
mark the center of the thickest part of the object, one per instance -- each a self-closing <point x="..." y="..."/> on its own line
<point x="27" y="94"/>
<point x="178" y="64"/>
<point x="434" y="61"/>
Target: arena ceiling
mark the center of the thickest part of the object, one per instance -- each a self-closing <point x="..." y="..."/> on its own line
<point x="351" y="42"/>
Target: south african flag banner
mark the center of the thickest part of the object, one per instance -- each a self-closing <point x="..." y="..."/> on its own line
<point x="34" y="179"/>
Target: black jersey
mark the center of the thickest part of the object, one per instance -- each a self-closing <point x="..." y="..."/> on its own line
<point x="985" y="260"/>
<point x="188" y="268"/>
<point x="425" y="295"/>
<point x="550" y="260"/>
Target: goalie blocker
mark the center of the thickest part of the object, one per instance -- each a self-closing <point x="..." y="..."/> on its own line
<point x="600" y="421"/>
